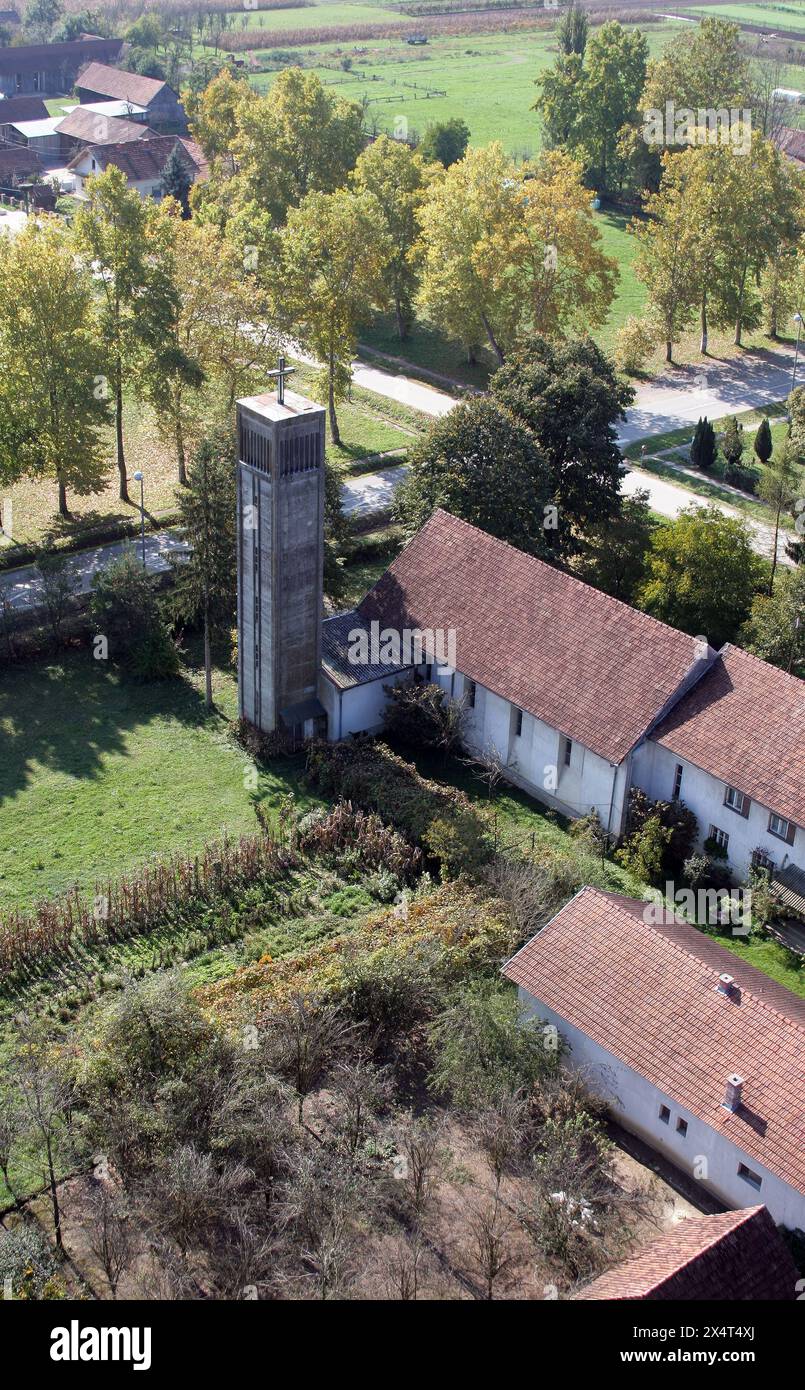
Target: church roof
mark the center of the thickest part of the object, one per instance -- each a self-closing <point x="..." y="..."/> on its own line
<point x="586" y="664"/>
<point x="644" y="986"/>
<point x="716" y="727"/>
<point x="734" y="1255"/>
<point x="335" y="653"/>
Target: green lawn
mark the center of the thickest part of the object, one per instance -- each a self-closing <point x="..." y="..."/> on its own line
<point x="787" y="16"/>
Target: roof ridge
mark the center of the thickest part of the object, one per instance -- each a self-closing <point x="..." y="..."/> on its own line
<point x="711" y="1239"/>
<point x="767" y="665"/>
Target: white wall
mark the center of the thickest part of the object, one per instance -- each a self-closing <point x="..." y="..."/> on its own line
<point x="654" y="768"/>
<point x="635" y="1104"/>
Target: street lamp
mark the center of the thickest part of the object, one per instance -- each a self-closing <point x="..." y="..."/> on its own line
<point x="138" y="478"/>
<point x="798" y="321"/>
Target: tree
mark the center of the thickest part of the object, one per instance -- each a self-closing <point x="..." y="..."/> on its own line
<point x="559" y="99"/>
<point x="110" y="1234"/>
<point x="46" y="1093"/>
<point x="297" y="139"/>
<point x="782" y="284"/>
<point x="334" y="254"/>
<point x="572" y="29"/>
<point x="110" y="233"/>
<point x="702" y="574"/>
<point x="778" y="487"/>
<point x="775" y="628"/>
<point x="56" y="587"/>
<point x="41" y="18"/>
<point x="511" y="251"/>
<point x="484" y="466"/>
<point x="732" y="444"/>
<point x="395" y="176"/>
<point x="572" y="399"/>
<point x="444" y="142"/>
<point x="176" y="180"/>
<point x="206" y="582"/>
<point x="125" y="611"/>
<point x="666" y="262"/>
<point x="614" y="76"/>
<point x="614" y="554"/>
<point x="705" y="67"/>
<point x="763" y="442"/>
<point x="703" y="445"/>
<point x="52" y="364"/>
<point x="214" y="115"/>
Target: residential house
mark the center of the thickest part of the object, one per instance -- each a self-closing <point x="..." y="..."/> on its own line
<point x="164" y="111"/>
<point x="19" y="165"/>
<point x="19" y="109"/>
<point x="737" y="1256"/>
<point x="142" y="161"/>
<point x="51" y="68"/>
<point x="733" y="749"/>
<point x="695" y="1051"/>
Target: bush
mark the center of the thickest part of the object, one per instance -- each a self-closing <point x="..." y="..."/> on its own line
<point x="126" y="611"/>
<point x="376" y="845"/>
<point x="738" y="476"/>
<point x="634" y="344"/>
<point x="674" y="816"/>
<point x="714" y="849"/>
<point x="460" y="844"/>
<point x="27" y="1259"/>
<point x="645" y="851"/>
<point x="422" y="716"/>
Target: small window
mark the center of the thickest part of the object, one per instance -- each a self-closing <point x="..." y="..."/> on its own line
<point x="568" y="752"/>
<point x="781" y="828"/>
<point x="754" y="1179"/>
<point x="720" y="836"/>
<point x="677" y="782"/>
<point x="762" y="860"/>
<point x="682" y="1127"/>
<point x="471" y="694"/>
<point x="735" y="800"/>
<point x="518" y="723"/>
<point x="665" y="1114"/>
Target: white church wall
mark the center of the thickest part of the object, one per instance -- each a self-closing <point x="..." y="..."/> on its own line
<point x="655" y="771"/>
<point x="635" y="1103"/>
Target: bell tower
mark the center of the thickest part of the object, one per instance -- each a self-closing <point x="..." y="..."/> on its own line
<point x="280" y="537"/>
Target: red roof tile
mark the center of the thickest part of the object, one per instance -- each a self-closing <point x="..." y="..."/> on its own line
<point x="737" y="1255"/>
<point x="93" y="128"/>
<point x="22" y="109"/>
<point x="122" y="86"/>
<point x="141" y="159"/>
<point x="587" y="664"/>
<point x="745" y="724"/>
<point x="646" y="992"/>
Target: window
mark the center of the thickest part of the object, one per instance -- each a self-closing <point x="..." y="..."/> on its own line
<point x="677" y="782"/>
<point x="736" y="801"/>
<point x="665" y="1114"/>
<point x="568" y="751"/>
<point x="762" y="860"/>
<point x="470" y="689"/>
<point x="721" y="837"/>
<point x="754" y="1179"/>
<point x="518" y="723"/>
<point x="783" y="829"/>
<point x="682" y="1127"/>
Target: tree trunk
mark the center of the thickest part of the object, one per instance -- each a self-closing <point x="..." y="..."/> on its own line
<point x="63" y="508"/>
<point x="774" y="552"/>
<point x="703" y="344"/>
<point x="207" y="664"/>
<point x="669" y="350"/>
<point x="121" y="457"/>
<point x="335" y="433"/>
<point x="402" y="327"/>
<point x="738" y="326"/>
<point x="496" y="348"/>
<point x="180" y="454"/>
<point x="54" y="1197"/>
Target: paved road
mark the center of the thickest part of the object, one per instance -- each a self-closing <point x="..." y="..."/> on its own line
<point x="11" y="221"/>
<point x="22" y="589"/>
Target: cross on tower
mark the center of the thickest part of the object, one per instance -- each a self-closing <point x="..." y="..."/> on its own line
<point x="280" y="373"/>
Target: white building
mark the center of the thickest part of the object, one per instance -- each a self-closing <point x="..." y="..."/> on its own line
<point x="580" y="697"/>
<point x="699" y="1054"/>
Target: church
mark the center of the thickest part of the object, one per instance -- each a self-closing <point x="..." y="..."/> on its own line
<point x="575" y="695"/>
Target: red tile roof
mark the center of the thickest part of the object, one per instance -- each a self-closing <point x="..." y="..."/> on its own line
<point x="745" y="724"/>
<point x="738" y="1256"/>
<point x="22" y="109"/>
<point x="587" y="664"/>
<point x="141" y="159"/>
<point x="646" y="992"/>
<point x="19" y="161"/>
<point x="123" y="86"/>
<point x="792" y="143"/>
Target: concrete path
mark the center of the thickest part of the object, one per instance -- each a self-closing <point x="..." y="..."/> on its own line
<point x="395" y="388"/>
<point x="669" y="500"/>
<point x="371" y="492"/>
<point x="23" y="590"/>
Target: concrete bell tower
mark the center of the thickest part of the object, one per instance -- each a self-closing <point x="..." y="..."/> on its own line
<point x="280" y="527"/>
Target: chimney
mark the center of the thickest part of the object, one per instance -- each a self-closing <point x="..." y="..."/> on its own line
<point x="732" y="1097"/>
<point x="725" y="983"/>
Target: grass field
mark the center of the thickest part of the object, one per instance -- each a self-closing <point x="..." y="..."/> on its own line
<point x="788" y="16"/>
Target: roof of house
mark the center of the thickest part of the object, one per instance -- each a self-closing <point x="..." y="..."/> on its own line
<point x="22" y="109"/>
<point x="52" y="57"/>
<point x="93" y="129"/>
<point x="122" y="86"/>
<point x="587" y="664"/>
<point x="744" y="723"/>
<point x="337" y="650"/>
<point x="735" y="1255"/>
<point x="19" y="159"/>
<point x="792" y="143"/>
<point x="139" y="159"/>
<point x="36" y="130"/>
<point x="646" y="992"/>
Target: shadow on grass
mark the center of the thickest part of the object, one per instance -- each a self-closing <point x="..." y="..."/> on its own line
<point x="69" y="713"/>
